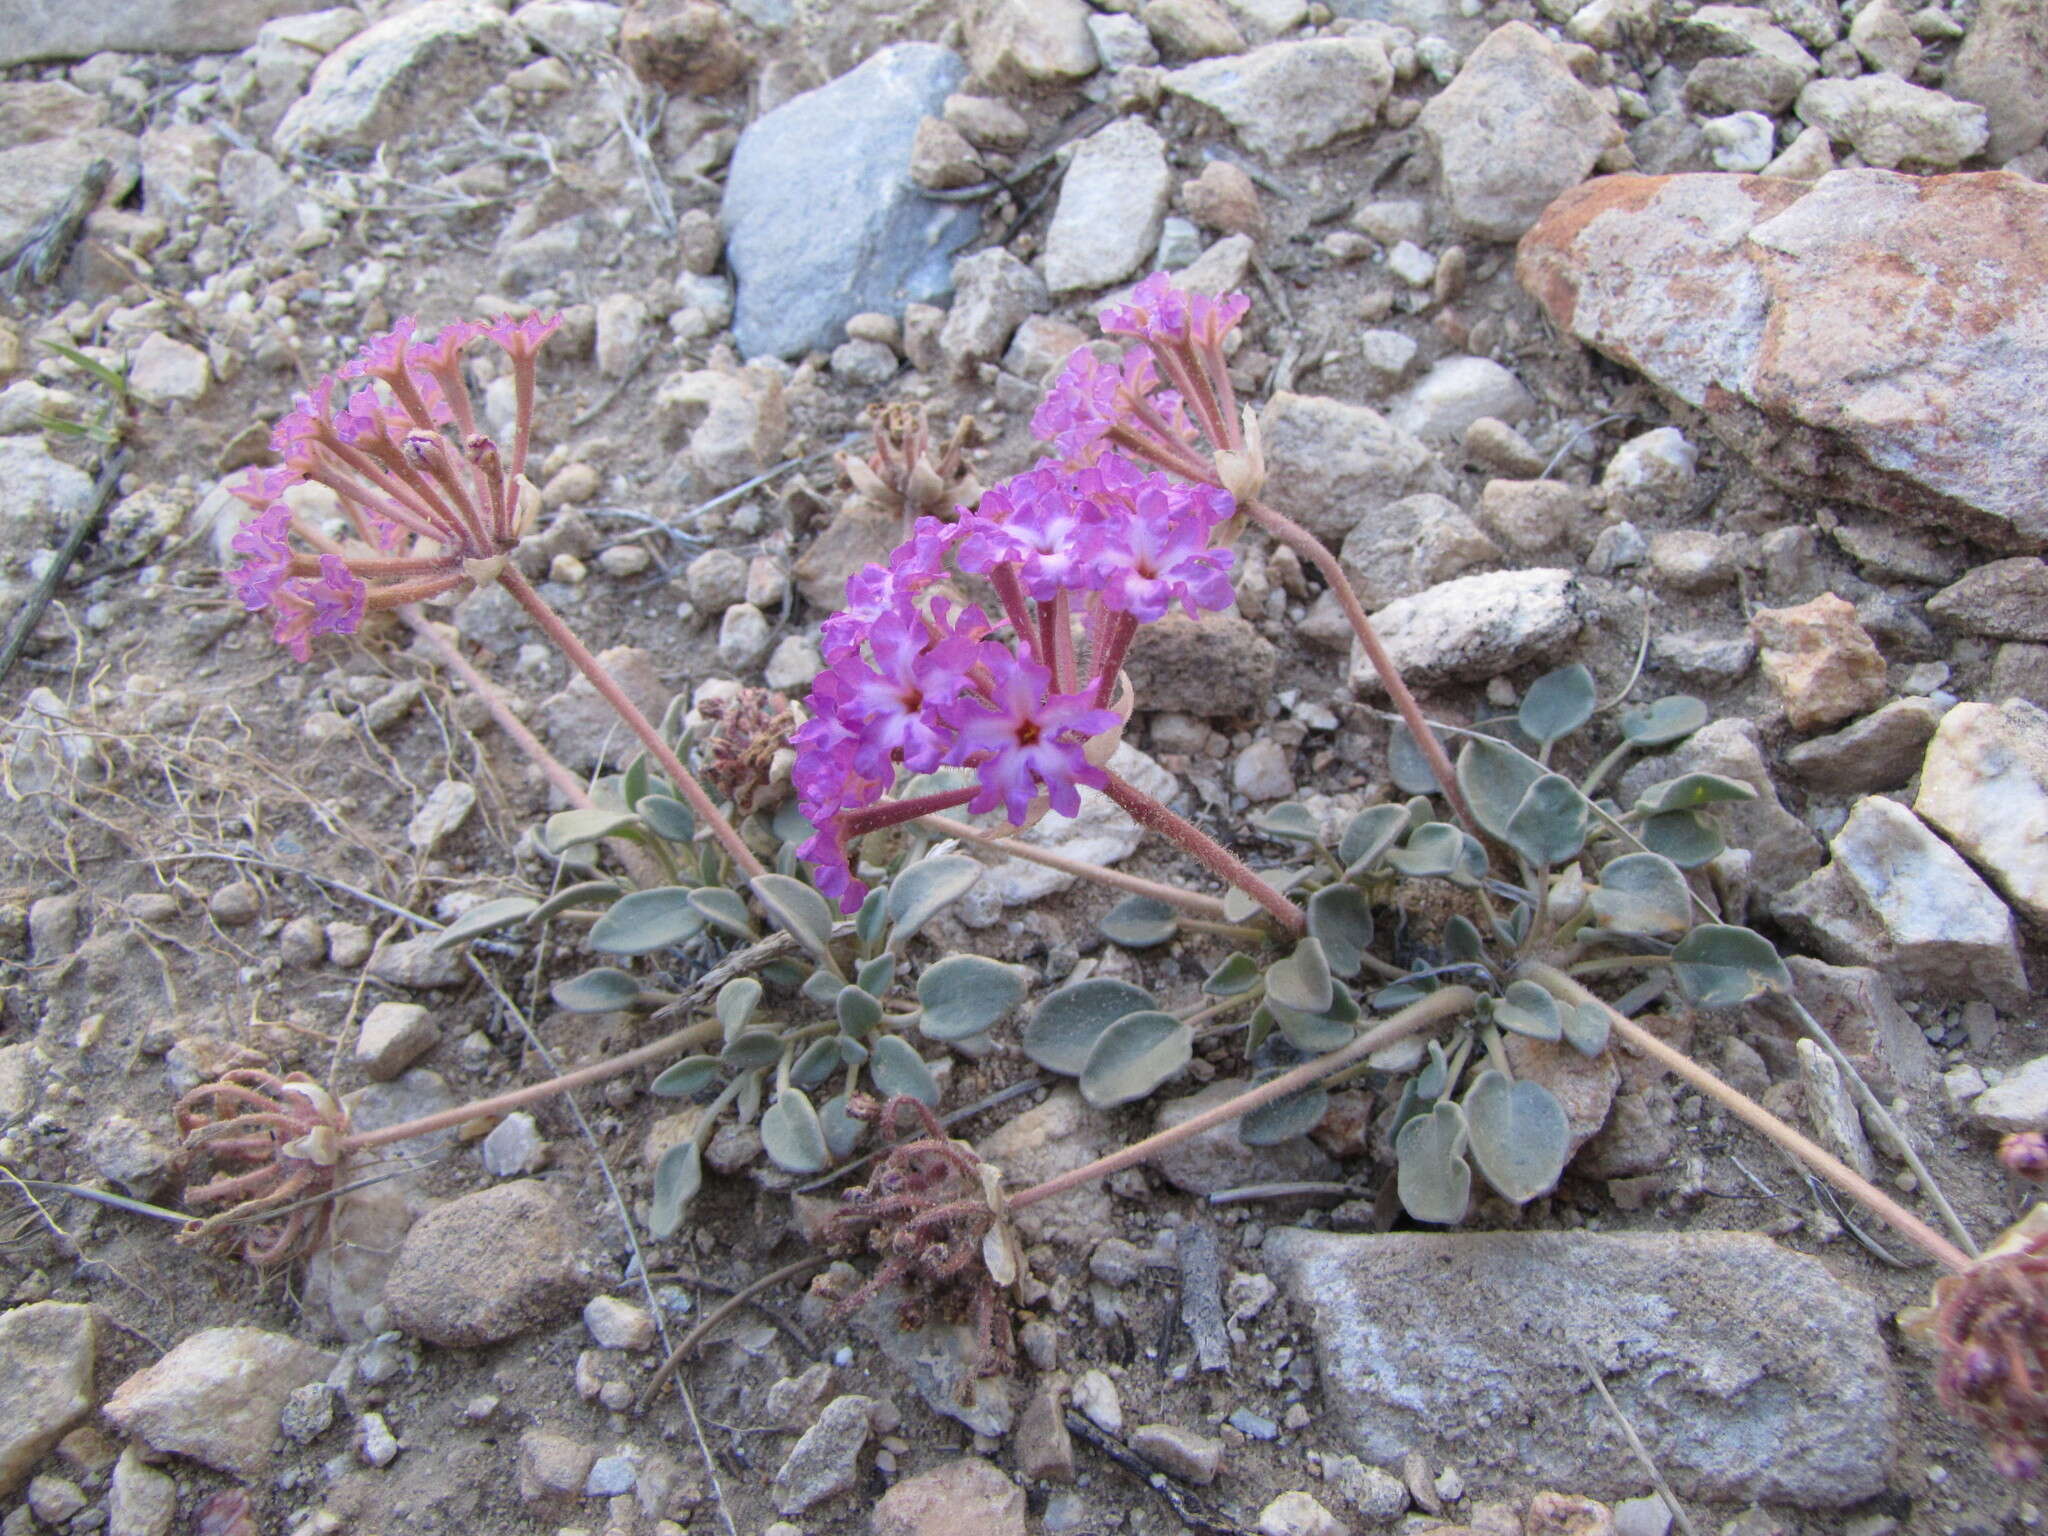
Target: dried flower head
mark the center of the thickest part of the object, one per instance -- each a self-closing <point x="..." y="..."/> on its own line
<point x="903" y="473"/>
<point x="426" y="501"/>
<point x="750" y="730"/>
<point x="291" y="1129"/>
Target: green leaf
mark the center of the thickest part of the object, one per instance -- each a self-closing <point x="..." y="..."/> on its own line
<point x="1241" y="907"/>
<point x="1235" y="976"/>
<point x="787" y="974"/>
<point x="1718" y="966"/>
<point x="1687" y="838"/>
<point x="962" y="995"/>
<point x="487" y="917"/>
<point x="1134" y="1056"/>
<point x="822" y="988"/>
<point x="736" y="1003"/>
<point x="1301" y="981"/>
<point x="1371" y="833"/>
<point x="1433" y="849"/>
<point x="1285" y="1119"/>
<point x="843" y="1133"/>
<point x="791" y="1134"/>
<point x="819" y="1061"/>
<point x="1340" y="919"/>
<point x="725" y="910"/>
<point x="797" y="907"/>
<point x="1549" y="826"/>
<point x="874" y="976"/>
<point x="1528" y="1010"/>
<point x="1325" y="1030"/>
<point x="1691" y="792"/>
<point x="1519" y="1135"/>
<point x="633" y="788"/>
<point x="640" y="923"/>
<point x="687" y="1077"/>
<point x="851" y="1051"/>
<point x="789" y="825"/>
<point x="1664" y="722"/>
<point x="585" y="893"/>
<point x="1586" y="1027"/>
<point x="1140" y="922"/>
<point x="113" y="378"/>
<point x="1462" y="939"/>
<point x="1495" y="779"/>
<point x="897" y="1068"/>
<point x="1557" y="704"/>
<point x="872" y="920"/>
<point x="752" y="1048"/>
<point x="1064" y="1027"/>
<point x="1289" y="822"/>
<point x="677" y="1178"/>
<point x="603" y="990"/>
<point x="858" y="1011"/>
<point x="1406" y="765"/>
<point x="669" y="820"/>
<point x="1434" y="1182"/>
<point x="571" y="829"/>
<point x="926" y="889"/>
<point x="1643" y="894"/>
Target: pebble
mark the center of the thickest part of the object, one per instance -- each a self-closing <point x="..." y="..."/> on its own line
<point x="993" y="293"/>
<point x="1645" y="1516"/>
<point x="962" y="1495"/>
<point x="1299" y="1514"/>
<point x="514" y="1147"/>
<point x="1095" y="1395"/>
<point x="1261" y="772"/>
<point x="611" y="1476"/>
<point x="1531" y="515"/>
<point x="1456" y="392"/>
<point x="716" y="580"/>
<point x="552" y="1467"/>
<point x="166" y="372"/>
<point x="1373" y="1493"/>
<point x="1290" y="98"/>
<point x="375" y="1442"/>
<point x="1475" y="627"/>
<point x="392" y="1037"/>
<point x="1892" y="123"/>
<point x="2018" y="1102"/>
<point x="1338" y="459"/>
<point x="825" y="1461"/>
<point x="1019" y="45"/>
<point x="616" y="1324"/>
<point x="744" y="634"/>
<point x="1179" y="1452"/>
<point x="1880" y="751"/>
<point x="1497" y="446"/>
<point x="47" y="1353"/>
<point x="309" y="1412"/>
<point x="793" y="663"/>
<point x="441" y="814"/>
<point x="131" y="1154"/>
<point x="419" y="964"/>
<point x="1820" y="661"/>
<point x="1984" y="787"/>
<point x="1111" y="206"/>
<point x="621" y="562"/>
<point x="217" y="1397"/>
<point x="348" y="944"/>
<point x="1412" y="264"/>
<point x="989" y="123"/>
<point x="864" y="364"/>
<point x="941" y="157"/>
<point x="235" y="904"/>
<point x="2000" y="67"/>
<point x="488" y="1266"/>
<point x="1692" y="559"/>
<point x="141" y="1501"/>
<point x="1741" y="141"/>
<point x="1044" y="1446"/>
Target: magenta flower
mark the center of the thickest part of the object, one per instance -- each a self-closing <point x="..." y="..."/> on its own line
<point x="307" y="607"/>
<point x="1153" y="549"/>
<point x="1092" y="402"/>
<point x="1167" y="316"/>
<point x="898" y="699"/>
<point x="266" y="540"/>
<point x="1025" y="738"/>
<point x="1036" y="522"/>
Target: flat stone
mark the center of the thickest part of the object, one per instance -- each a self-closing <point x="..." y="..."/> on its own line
<point x="1044" y="1446"/>
<point x="1821" y="662"/>
<point x="1984" y="787"/>
<point x="1408" y="545"/>
<point x="141" y="1501"/>
<point x="47" y="1353"/>
<point x="1455" y="393"/>
<point x="1299" y="1514"/>
<point x="489" y="1266"/>
<point x="1511" y="132"/>
<point x="825" y="174"/>
<point x="1191" y="29"/>
<point x="1475" y="627"/>
<point x="167" y="372"/>
<point x="1831" y="1111"/>
<point x="2004" y="600"/>
<point x="392" y="1037"/>
<point x="1055" y="1137"/>
<point x="2003" y="66"/>
<point x="217" y="1396"/>
<point x="1216" y="1159"/>
<point x="586" y="732"/>
<point x="1890" y="122"/>
<point x="825" y="1461"/>
<point x="1331" y="462"/>
<point x="418" y="965"/>
<point x="2019" y="1102"/>
<point x="1181" y="1452"/>
<point x="1113" y="201"/>
<point x="945" y="1362"/>
<point x="616" y="1324"/>
<point x="1861" y="1014"/>
<point x="736" y="419"/>
<point x="1785" y="311"/>
<point x="1023" y="45"/>
<point x="409" y="73"/>
<point x="1897" y="898"/>
<point x="993" y="293"/>
<point x="514" y="1147"/>
<point x="441" y="814"/>
<point x="1261" y="772"/>
<point x="40" y="182"/>
<point x="966" y="1494"/>
<point x="1100" y="834"/>
<point x="1753" y="65"/>
<point x="1750" y="1371"/>
<point x="1532" y="515"/>
<point x="1880" y="751"/>
<point x="1287" y="99"/>
<point x="47" y="29"/>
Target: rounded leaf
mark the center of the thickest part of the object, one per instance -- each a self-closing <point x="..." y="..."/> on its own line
<point x="1289" y="822"/>
<point x="962" y="995"/>
<point x="1519" y="1135"/>
<point x="585" y="893"/>
<point x="669" y="820"/>
<point x="874" y="976"/>
<point x="1719" y="965"/>
<point x="736" y="1002"/>
<point x="1494" y="778"/>
<point x="1528" y="1010"/>
<point x="797" y="907"/>
<point x="871" y="920"/>
<point x="725" y="910"/>
<point x="1315" y="1033"/>
<point x="1233" y="977"/>
<point x="1302" y="980"/>
<point x="843" y="1133"/>
<point x="1644" y="894"/>
<point x="1064" y="1027"/>
<point x="1691" y="792"/>
<point x="687" y="1077"/>
<point x="792" y="1136"/>
<point x="1687" y="838"/>
<point x="1140" y="922"/>
<point x="752" y="1048"/>
<point x="603" y="990"/>
<point x="641" y="923"/>
<point x="858" y="1011"/>
<point x="570" y="829"/>
<point x="818" y="1062"/>
<point x="1340" y="918"/>
<point x="1371" y="833"/>
<point x="1241" y="906"/>
<point x="1285" y="1119"/>
<point x="1586" y="1027"/>
<point x="677" y="1178"/>
<point x="897" y="1068"/>
<point x="926" y="889"/>
<point x="1434" y="1182"/>
<point x="487" y="917"/>
<point x="1661" y="723"/>
<point x="1557" y="704"/>
<point x="1134" y="1056"/>
<point x="1406" y="765"/>
<point x="1549" y="826"/>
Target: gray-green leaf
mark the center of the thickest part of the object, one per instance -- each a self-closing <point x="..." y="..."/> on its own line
<point x="1140" y="922"/>
<point x="645" y="921"/>
<point x="897" y="1068"/>
<point x="1495" y="778"/>
<point x="1340" y="918"/>
<point x="1687" y="838"/>
<point x="603" y="990"/>
<point x="858" y="1011"/>
<point x="1064" y="1027"/>
<point x="687" y="1077"/>
<point x="487" y="917"/>
<point x="791" y="1134"/>
<point x="1302" y="980"/>
<point x="725" y="910"/>
<point x="677" y="1178"/>
<point x="1233" y="977"/>
<point x="1434" y="1181"/>
<point x="1661" y="723"/>
<point x="797" y="907"/>
<point x="1557" y="704"/>
<point x="1691" y="792"/>
<point x="1285" y="1119"/>
<point x="1134" y="1056"/>
<point x="736" y="1002"/>
<point x="1586" y="1027"/>
<point x="926" y="889"/>
<point x="1371" y="833"/>
<point x="1719" y="965"/>
<point x="962" y="995"/>
<point x="1289" y="822"/>
<point x="1528" y="1010"/>
<point x="1644" y="894"/>
<point x="752" y="1048"/>
<point x="1549" y="826"/>
<point x="1519" y="1135"/>
<point x="669" y="820"/>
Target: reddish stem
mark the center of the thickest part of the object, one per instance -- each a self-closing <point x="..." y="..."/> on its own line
<point x="889" y="813"/>
<point x="1150" y="814"/>
<point x="1109" y="655"/>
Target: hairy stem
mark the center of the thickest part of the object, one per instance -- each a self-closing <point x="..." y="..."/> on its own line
<point x="1306" y="544"/>
<point x="1760" y="1120"/>
<point x="1188" y="901"/>
<point x="1438" y="1005"/>
<point x="1153" y="816"/>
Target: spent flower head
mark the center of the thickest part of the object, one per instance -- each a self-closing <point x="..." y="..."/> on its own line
<point x="427" y="501"/>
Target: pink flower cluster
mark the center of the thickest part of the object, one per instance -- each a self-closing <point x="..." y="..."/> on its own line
<point x="919" y="680"/>
<point x="377" y="433"/>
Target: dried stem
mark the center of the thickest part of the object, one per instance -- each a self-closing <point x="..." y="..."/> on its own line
<point x="1761" y="1120"/>
<point x="1188" y="901"/>
<point x="1438" y="1005"/>
<point x="1149" y="813"/>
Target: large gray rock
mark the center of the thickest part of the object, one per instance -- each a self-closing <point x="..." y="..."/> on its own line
<point x="1891" y="123"/>
<point x="2003" y="67"/>
<point x="1332" y="464"/>
<point x="1900" y="900"/>
<point x="1791" y="314"/>
<point x="63" y="29"/>
<point x="1287" y="99"/>
<point x="217" y="1396"/>
<point x="822" y="221"/>
<point x="47" y="1353"/>
<point x="1512" y="131"/>
<point x="1984" y="787"/>
<point x="1750" y="1372"/>
<point x="2004" y="600"/>
<point x="1112" y="204"/>
<point x="412" y="73"/>
<point x="1475" y="627"/>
